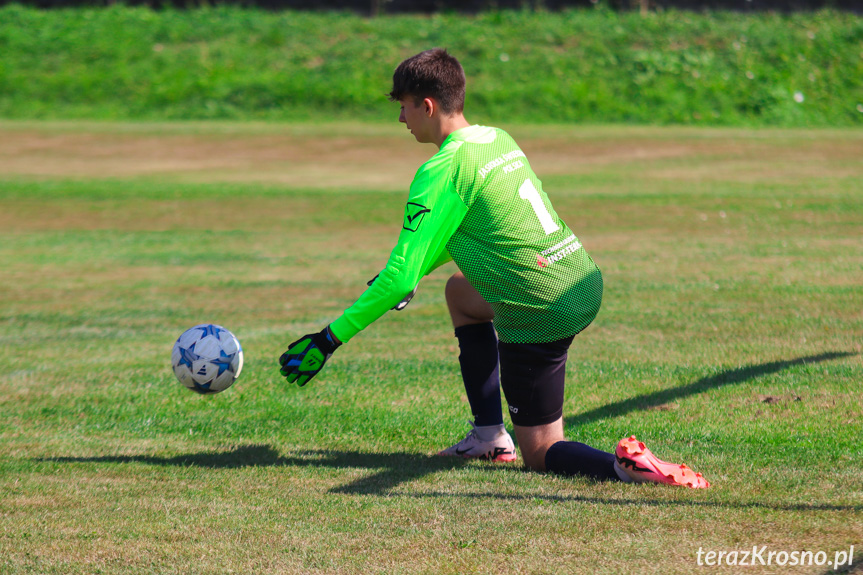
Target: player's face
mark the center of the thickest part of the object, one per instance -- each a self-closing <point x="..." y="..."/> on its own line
<point x="414" y="116"/>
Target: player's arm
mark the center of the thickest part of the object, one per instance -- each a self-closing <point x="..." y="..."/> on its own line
<point x="432" y="214"/>
<point x="444" y="258"/>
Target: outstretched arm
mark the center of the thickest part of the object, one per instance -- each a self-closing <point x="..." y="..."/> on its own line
<point x="432" y="214"/>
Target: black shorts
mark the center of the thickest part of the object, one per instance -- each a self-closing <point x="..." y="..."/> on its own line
<point x="532" y="378"/>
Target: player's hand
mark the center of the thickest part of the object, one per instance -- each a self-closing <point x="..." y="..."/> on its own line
<point x="307" y="356"/>
<point x="405" y="301"/>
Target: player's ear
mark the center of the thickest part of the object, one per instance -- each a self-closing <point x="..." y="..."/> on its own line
<point x="429" y="107"/>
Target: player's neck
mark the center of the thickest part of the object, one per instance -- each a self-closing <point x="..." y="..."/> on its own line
<point x="448" y="125"/>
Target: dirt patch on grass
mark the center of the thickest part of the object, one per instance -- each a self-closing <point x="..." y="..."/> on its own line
<point x="301" y="161"/>
<point x="380" y="159"/>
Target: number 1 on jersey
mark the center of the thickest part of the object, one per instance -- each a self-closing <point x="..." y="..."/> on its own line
<point x="528" y="192"/>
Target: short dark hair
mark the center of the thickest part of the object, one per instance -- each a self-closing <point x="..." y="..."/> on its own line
<point x="431" y="74"/>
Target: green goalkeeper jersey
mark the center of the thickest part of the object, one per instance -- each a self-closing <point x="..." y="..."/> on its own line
<point x="478" y="202"/>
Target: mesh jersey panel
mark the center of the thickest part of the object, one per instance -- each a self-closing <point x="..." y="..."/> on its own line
<point x="512" y="246"/>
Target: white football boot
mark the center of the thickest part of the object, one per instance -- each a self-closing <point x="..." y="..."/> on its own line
<point x="491" y="443"/>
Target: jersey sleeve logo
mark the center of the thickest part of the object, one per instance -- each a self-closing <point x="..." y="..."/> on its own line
<point x="414" y="215"/>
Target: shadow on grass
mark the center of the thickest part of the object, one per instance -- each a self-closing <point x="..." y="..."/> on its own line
<point x="394" y="468"/>
<point x="390" y="470"/>
<point x="730" y="377"/>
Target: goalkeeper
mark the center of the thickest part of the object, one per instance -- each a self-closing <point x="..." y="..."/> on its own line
<point x="525" y="287"/>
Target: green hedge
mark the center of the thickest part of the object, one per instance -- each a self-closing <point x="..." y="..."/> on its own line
<point x="593" y="66"/>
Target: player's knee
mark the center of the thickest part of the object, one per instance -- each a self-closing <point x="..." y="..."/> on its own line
<point x="465" y="304"/>
<point x="533" y="464"/>
<point x="454" y="289"/>
<point x="534" y="459"/>
<point x="535" y="441"/>
<point x="533" y="449"/>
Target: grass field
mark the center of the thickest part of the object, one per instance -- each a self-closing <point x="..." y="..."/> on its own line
<point x="731" y="338"/>
<point x="576" y="66"/>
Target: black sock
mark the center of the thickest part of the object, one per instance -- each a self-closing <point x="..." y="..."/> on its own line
<point x="573" y="458"/>
<point x="479" y="369"/>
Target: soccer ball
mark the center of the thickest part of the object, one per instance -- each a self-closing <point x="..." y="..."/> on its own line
<point x="207" y="358"/>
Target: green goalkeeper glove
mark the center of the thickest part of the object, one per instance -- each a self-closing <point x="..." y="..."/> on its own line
<point x="405" y="301"/>
<point x="307" y="356"/>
